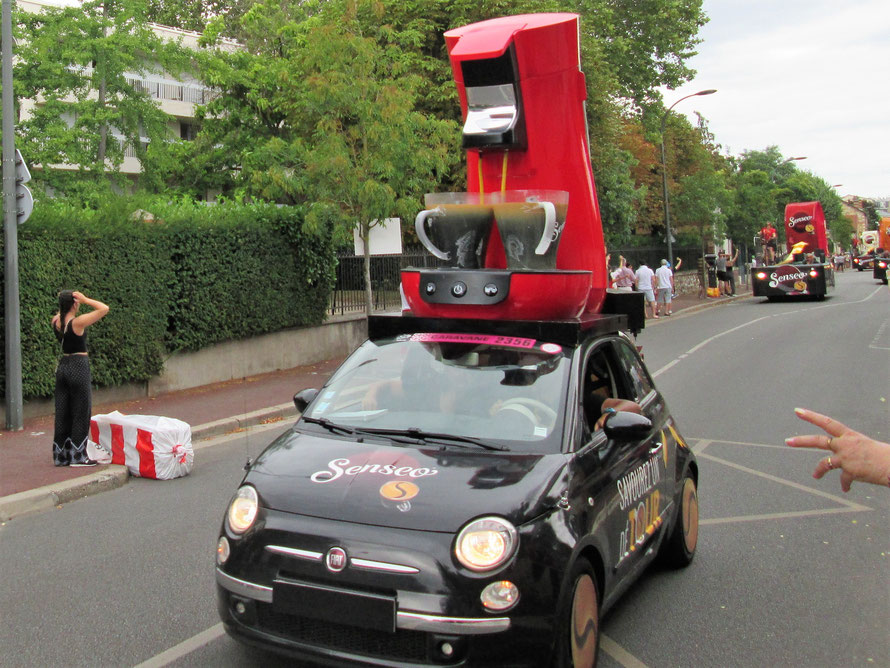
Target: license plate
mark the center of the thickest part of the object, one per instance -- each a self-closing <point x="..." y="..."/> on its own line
<point x="343" y="606"/>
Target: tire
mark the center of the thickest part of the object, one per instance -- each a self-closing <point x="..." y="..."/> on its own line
<point x="578" y="630"/>
<point x="679" y="548"/>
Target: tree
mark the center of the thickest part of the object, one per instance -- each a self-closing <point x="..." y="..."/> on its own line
<point x="82" y="66"/>
<point x="323" y="115"/>
<point x="753" y="204"/>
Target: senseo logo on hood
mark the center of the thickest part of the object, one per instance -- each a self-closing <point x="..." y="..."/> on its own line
<point x="337" y="468"/>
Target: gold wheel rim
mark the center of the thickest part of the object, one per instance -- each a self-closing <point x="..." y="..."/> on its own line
<point x="585" y="622"/>
<point x="690" y="515"/>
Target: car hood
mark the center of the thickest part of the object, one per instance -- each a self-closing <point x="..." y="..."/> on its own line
<point x="409" y="487"/>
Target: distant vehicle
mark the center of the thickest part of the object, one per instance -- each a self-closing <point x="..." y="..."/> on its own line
<point x="807" y="269"/>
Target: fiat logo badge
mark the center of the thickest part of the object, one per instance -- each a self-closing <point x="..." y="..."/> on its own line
<point x="335" y="559"/>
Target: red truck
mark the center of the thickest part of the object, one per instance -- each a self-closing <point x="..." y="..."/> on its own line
<point x="806" y="270"/>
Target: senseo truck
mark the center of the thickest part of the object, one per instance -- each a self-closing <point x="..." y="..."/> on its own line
<point x="805" y="271"/>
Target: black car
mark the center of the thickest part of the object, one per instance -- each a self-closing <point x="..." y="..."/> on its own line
<point x="863" y="262"/>
<point x="459" y="493"/>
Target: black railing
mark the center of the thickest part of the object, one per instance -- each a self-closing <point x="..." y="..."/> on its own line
<point x="386" y="274"/>
<point x="348" y="295"/>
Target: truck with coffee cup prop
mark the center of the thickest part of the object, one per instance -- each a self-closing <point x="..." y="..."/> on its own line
<point x="806" y="269"/>
<point x="526" y="241"/>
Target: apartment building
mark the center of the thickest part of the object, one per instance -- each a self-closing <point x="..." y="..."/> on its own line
<point x="176" y="97"/>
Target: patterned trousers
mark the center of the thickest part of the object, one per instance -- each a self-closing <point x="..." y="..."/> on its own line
<point x="73" y="410"/>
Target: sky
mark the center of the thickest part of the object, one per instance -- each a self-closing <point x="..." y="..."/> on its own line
<point x="808" y="76"/>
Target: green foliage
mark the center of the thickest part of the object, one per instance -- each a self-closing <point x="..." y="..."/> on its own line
<point x="752" y="206"/>
<point x="79" y="63"/>
<point x="194" y="276"/>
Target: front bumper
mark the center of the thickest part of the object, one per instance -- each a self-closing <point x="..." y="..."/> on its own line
<point x="423" y="611"/>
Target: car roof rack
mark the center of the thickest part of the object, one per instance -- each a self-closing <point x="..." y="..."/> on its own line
<point x="563" y="332"/>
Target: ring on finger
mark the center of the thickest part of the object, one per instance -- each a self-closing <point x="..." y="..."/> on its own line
<point x="830" y="465"/>
<point x="830" y="441"/>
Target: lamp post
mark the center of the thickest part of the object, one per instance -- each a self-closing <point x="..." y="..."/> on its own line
<point x="664" y="182"/>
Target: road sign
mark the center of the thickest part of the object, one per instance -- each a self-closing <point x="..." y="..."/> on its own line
<point x="24" y="201"/>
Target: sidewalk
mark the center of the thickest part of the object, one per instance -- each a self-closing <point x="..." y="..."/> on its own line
<point x="29" y="482"/>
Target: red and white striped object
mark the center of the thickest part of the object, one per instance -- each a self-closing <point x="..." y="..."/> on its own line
<point x="149" y="446"/>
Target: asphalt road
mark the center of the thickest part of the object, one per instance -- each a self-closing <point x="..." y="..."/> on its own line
<point x="789" y="571"/>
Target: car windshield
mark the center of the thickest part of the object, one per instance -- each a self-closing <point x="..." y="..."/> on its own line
<point x="502" y="391"/>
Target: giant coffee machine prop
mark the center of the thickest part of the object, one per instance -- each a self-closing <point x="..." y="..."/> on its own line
<point x="526" y="242"/>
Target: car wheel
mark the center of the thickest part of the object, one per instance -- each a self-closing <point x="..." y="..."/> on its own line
<point x="679" y="548"/>
<point x="859" y="268"/>
<point x="578" y="633"/>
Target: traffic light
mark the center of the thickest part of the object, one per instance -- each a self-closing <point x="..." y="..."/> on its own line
<point x="24" y="202"/>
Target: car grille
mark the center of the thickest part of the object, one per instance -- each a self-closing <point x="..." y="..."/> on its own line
<point x="401" y="645"/>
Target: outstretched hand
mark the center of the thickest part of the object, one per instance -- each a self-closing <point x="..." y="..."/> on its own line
<point x="858" y="456"/>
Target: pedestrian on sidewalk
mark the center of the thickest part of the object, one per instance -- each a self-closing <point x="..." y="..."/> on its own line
<point x="73" y="397"/>
<point x="643" y="277"/>
<point x="664" y="288"/>
<point x="623" y="276"/>
<point x="730" y="272"/>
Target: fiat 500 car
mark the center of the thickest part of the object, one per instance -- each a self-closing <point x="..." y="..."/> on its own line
<point x="459" y="493"/>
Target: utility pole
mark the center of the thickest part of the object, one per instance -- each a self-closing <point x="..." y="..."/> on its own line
<point x="10" y="234"/>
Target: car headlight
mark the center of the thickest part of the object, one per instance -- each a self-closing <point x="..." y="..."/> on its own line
<point x="486" y="544"/>
<point x="761" y="275"/>
<point x="242" y="510"/>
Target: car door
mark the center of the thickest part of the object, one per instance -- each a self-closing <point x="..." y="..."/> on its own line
<point x="648" y="492"/>
<point x="602" y="489"/>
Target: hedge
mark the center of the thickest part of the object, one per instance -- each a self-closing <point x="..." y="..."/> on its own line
<point x="194" y="276"/>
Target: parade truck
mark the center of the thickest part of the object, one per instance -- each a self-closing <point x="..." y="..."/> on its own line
<point x="882" y="252"/>
<point x="806" y="269"/>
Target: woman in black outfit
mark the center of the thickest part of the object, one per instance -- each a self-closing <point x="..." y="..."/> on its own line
<point x="73" y="399"/>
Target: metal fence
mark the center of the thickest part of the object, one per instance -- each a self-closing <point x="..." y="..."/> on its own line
<point x="386" y="274"/>
<point x="348" y="295"/>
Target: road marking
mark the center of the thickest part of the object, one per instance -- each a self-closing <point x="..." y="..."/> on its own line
<point x="700" y="445"/>
<point x="874" y="343"/>
<point x="778" y="516"/>
<point x="184" y="648"/>
<point x="701" y="345"/>
<point x="618" y="653"/>
<point x="817" y="492"/>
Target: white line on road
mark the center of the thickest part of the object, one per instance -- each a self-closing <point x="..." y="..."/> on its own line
<point x="746" y="324"/>
<point x="184" y="648"/>
<point x="777" y="516"/>
<point x="818" y="492"/>
<point x="620" y="654"/>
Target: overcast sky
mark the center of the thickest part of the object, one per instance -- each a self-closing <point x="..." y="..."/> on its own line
<point x="808" y="76"/>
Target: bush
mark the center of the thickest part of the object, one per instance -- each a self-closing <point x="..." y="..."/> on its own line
<point x="195" y="276"/>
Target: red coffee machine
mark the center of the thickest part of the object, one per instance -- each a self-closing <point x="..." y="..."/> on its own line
<point x="526" y="241"/>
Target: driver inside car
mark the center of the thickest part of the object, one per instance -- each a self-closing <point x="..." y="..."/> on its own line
<point x="598" y="400"/>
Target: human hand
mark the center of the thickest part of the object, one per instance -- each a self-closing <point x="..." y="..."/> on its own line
<point x="860" y="457"/>
<point x="78" y="297"/>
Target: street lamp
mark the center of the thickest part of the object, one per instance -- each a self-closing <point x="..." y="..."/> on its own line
<point x="664" y="182"/>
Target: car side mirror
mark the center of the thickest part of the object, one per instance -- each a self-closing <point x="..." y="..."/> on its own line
<point x="626" y="426"/>
<point x="304" y="397"/>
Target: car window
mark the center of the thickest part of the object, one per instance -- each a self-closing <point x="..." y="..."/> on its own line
<point x="612" y="378"/>
<point x="638" y="379"/>
<point x="505" y="390"/>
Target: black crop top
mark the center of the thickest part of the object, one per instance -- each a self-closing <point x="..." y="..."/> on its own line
<point x="72" y="343"/>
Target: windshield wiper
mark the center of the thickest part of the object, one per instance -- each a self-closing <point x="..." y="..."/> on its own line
<point x="330" y="426"/>
<point x="432" y="437"/>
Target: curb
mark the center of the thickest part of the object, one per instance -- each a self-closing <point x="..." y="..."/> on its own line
<point x="44" y="498"/>
<point x="114" y="476"/>
<point x="700" y="307"/>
